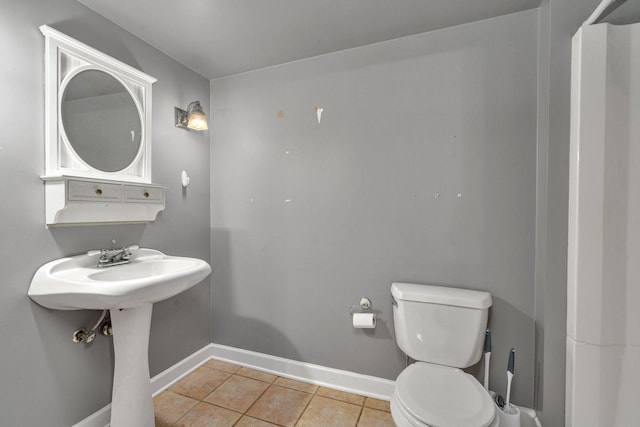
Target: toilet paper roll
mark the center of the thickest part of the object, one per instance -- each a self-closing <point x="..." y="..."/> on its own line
<point x="364" y="320"/>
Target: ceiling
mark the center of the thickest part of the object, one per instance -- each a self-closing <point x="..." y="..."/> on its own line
<point x="627" y="12"/>
<point x="217" y="38"/>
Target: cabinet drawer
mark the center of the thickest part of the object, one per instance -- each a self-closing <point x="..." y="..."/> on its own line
<point x="93" y="191"/>
<point x="136" y="194"/>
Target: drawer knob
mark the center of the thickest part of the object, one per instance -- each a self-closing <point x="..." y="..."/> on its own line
<point x="146" y="194"/>
<point x="98" y="191"/>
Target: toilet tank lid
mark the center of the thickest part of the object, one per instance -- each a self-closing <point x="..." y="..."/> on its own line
<point x="441" y="295"/>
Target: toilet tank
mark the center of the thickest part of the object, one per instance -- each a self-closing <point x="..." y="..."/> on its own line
<point x="441" y="325"/>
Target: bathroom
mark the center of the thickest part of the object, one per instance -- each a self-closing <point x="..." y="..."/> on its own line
<point x="440" y="157"/>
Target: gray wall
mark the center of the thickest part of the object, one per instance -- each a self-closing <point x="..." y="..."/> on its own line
<point x="306" y="218"/>
<point x="48" y="380"/>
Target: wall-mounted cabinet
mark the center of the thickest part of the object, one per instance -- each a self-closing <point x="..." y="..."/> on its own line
<point x="78" y="201"/>
<point x="98" y="137"/>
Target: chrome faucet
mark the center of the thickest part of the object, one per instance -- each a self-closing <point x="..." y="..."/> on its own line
<point x="111" y="257"/>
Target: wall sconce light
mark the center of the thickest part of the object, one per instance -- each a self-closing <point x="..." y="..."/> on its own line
<point x="191" y="118"/>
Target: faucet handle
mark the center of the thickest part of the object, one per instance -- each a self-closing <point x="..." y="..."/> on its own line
<point x="104" y="258"/>
<point x="101" y="252"/>
<point x="126" y="251"/>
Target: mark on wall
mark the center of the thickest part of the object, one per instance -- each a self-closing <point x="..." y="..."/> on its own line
<point x="319" y="111"/>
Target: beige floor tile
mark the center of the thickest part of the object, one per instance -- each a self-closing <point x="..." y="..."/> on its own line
<point x="325" y="412"/>
<point x="169" y="407"/>
<point x="256" y="375"/>
<point x="381" y="405"/>
<point x="373" y="418"/>
<point x="205" y="415"/>
<point x="280" y="405"/>
<point x="237" y="393"/>
<point x="252" y="422"/>
<point x="222" y="366"/>
<point x="200" y="382"/>
<point x="296" y="385"/>
<point x="341" y="395"/>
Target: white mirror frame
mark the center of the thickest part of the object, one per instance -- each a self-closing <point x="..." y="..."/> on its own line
<point x="64" y="58"/>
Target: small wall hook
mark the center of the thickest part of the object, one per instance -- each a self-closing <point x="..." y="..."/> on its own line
<point x="185" y="179"/>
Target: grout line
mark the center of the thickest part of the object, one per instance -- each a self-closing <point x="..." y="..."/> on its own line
<point x="344" y="401"/>
<point x="184" y="415"/>
<point x="359" y="416"/>
<point x="313" y="395"/>
<point x="293" y="388"/>
<point x="252" y="378"/>
<point x="256" y="401"/>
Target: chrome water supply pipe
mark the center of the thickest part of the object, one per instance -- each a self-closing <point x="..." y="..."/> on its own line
<point x="82" y="335"/>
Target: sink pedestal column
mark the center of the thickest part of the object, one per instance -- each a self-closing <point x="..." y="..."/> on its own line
<point x="131" y="403"/>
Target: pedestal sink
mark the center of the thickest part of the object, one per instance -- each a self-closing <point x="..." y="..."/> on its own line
<point x="128" y="291"/>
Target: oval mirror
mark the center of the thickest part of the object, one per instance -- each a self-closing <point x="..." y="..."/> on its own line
<point x="101" y="121"/>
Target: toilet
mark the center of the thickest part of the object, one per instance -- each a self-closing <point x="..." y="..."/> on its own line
<point x="443" y="330"/>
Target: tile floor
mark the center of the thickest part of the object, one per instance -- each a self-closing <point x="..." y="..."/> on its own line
<point x="220" y="394"/>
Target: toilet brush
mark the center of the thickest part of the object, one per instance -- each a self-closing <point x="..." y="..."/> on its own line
<point x="510" y="369"/>
<point x="487" y="357"/>
<point x="508" y="414"/>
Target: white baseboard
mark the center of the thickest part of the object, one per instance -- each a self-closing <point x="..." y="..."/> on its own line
<point x="173" y="374"/>
<point x="351" y="382"/>
<point x="338" y="379"/>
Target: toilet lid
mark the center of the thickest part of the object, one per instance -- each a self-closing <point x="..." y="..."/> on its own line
<point x="441" y="396"/>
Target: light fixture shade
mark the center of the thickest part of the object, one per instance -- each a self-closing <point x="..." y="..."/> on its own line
<point x="193" y="118"/>
<point x="197" y="121"/>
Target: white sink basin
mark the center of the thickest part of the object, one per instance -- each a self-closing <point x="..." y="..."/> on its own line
<point x="128" y="291"/>
<point x="76" y="283"/>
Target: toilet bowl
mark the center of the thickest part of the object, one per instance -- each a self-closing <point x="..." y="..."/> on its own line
<point x="443" y="330"/>
<point x="440" y="396"/>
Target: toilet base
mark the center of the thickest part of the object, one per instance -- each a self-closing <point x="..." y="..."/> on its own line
<point x="403" y="418"/>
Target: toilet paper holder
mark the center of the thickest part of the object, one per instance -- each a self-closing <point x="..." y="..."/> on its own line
<point x="365" y="306"/>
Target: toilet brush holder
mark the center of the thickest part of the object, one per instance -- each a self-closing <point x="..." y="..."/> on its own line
<point x="508" y="414"/>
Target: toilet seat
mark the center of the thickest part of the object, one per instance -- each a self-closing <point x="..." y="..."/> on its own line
<point x="441" y="396"/>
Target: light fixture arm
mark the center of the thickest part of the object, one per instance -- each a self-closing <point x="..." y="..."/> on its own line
<point x="192" y="105"/>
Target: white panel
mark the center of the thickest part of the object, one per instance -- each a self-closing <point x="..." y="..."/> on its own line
<point x="604" y="201"/>
<point x="583" y="385"/>
<point x="603" y="390"/>
<point x="633" y="217"/>
<point x="586" y="185"/>
<point x="616" y="187"/>
<point x="620" y="391"/>
<point x="603" y="323"/>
